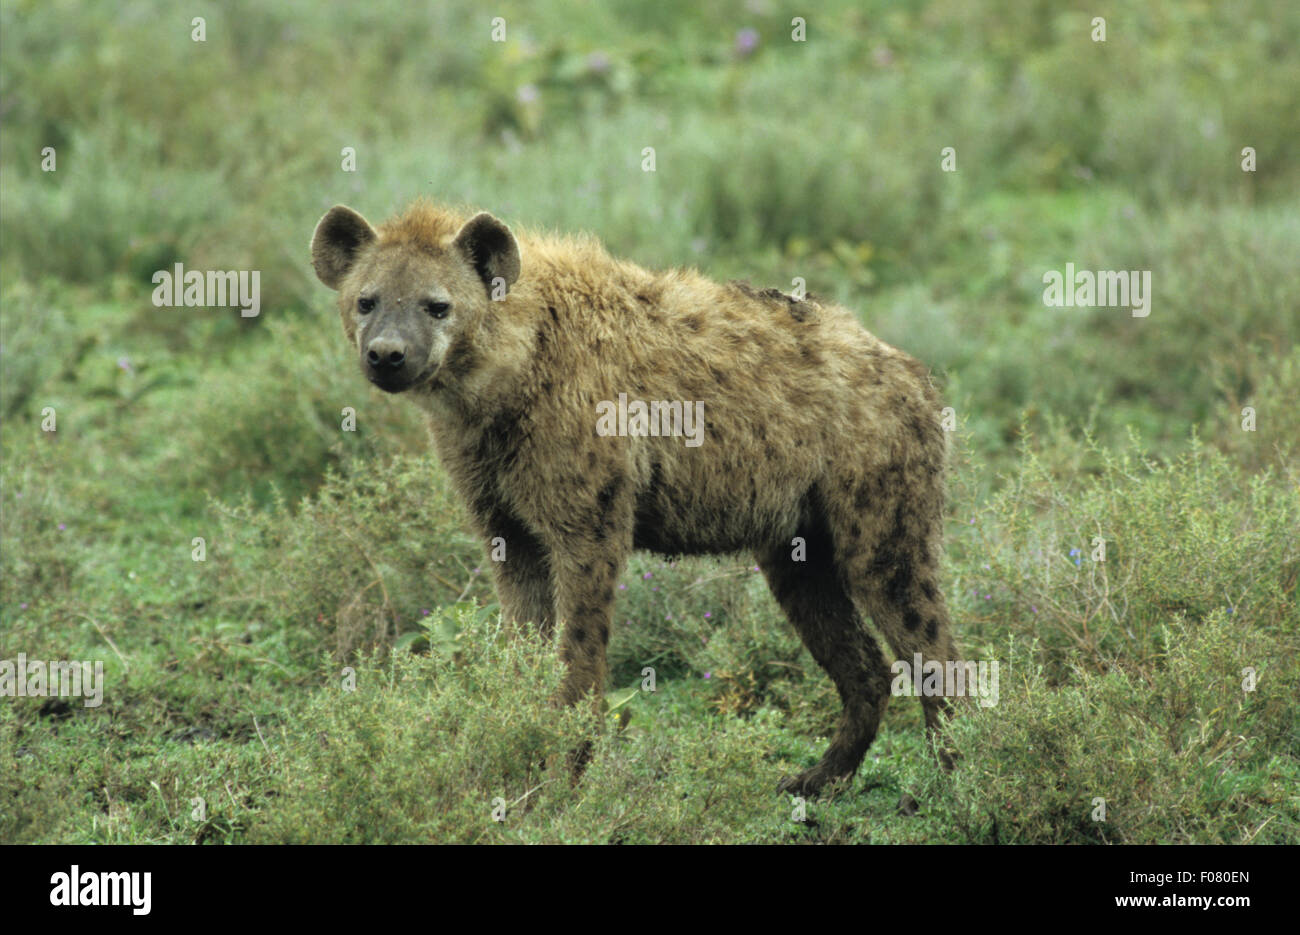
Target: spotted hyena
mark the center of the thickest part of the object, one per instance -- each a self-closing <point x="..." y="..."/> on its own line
<point x="529" y="354"/>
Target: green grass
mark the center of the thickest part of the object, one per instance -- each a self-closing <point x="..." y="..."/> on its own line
<point x="225" y="714"/>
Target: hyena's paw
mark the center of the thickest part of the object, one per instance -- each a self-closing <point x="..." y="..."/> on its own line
<point x="578" y="759"/>
<point x="574" y="762"/>
<point x="943" y="750"/>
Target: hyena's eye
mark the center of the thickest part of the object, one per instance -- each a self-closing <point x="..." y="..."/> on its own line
<point x="437" y="309"/>
<point x="365" y="305"/>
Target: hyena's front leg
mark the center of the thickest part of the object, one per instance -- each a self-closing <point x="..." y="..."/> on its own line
<point x="521" y="568"/>
<point x="586" y="565"/>
<point x="586" y="574"/>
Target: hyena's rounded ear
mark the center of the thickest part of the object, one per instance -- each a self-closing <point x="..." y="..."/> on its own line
<point x="491" y="249"/>
<point x="340" y="234"/>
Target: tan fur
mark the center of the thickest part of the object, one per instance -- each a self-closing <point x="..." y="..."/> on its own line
<point x="813" y="428"/>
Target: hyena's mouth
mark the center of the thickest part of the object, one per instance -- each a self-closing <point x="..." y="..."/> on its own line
<point x="391" y="382"/>
<point x="390" y="385"/>
<point x="401" y="382"/>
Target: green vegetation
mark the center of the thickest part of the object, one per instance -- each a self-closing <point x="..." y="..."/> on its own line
<point x="1120" y="680"/>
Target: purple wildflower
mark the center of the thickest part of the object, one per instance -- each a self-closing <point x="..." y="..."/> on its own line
<point x="746" y="41"/>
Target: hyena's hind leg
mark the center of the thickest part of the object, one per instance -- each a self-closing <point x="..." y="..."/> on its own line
<point x="895" y="581"/>
<point x="813" y="596"/>
<point x="888" y="525"/>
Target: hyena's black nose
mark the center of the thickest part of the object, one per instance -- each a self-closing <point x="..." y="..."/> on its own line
<point x="383" y="355"/>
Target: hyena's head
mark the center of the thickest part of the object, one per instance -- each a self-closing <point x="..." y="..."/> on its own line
<point x="413" y="295"/>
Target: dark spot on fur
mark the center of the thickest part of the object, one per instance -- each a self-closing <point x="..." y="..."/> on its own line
<point x="799" y="309"/>
<point x="656" y="480"/>
<point x="932" y="630"/>
<point x="892" y="559"/>
<point x="800" y="397"/>
<point x="578" y="635"/>
<point x="497" y="446"/>
<point x="911" y="620"/>
<point x="918" y="430"/>
<point x="693" y="322"/>
<point x="461" y="357"/>
<point x="929" y="590"/>
<point x="605" y="499"/>
<point x="900" y="582"/>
